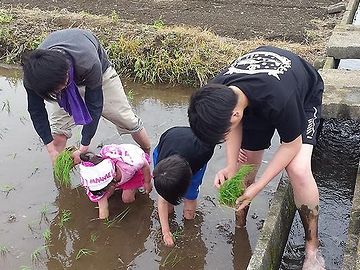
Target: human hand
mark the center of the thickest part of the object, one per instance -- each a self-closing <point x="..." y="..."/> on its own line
<point x="249" y="194"/>
<point x="76" y="154"/>
<point x="148" y="187"/>
<point x="53" y="153"/>
<point x="168" y="239"/>
<point x="224" y="174"/>
<point x="242" y="158"/>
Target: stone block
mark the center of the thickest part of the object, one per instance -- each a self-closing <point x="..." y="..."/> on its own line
<point x="344" y="43"/>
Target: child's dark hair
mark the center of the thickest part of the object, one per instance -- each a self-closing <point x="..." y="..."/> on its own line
<point x="94" y="159"/>
<point x="210" y="111"/>
<point x="44" y="72"/>
<point x="172" y="177"/>
<point x="91" y="157"/>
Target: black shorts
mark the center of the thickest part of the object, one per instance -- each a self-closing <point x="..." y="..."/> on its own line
<point x="258" y="131"/>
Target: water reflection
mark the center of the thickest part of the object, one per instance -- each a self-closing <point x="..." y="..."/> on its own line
<point x="135" y="242"/>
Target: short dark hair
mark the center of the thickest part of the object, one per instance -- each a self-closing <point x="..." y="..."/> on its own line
<point x="44" y="71"/>
<point x="91" y="157"/>
<point x="172" y="177"/>
<point x="210" y="112"/>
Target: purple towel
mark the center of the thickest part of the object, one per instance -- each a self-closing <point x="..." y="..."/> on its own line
<point x="71" y="101"/>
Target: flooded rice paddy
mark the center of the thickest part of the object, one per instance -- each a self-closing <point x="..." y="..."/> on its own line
<point x="335" y="164"/>
<point x="44" y="226"/>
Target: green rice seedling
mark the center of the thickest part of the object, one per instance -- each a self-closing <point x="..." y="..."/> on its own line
<point x="93" y="237"/>
<point x="25" y="267"/>
<point x="63" y="165"/>
<point x="178" y="233"/>
<point x="84" y="252"/>
<point x="3" y="250"/>
<point x="47" y="235"/>
<point x="36" y="254"/>
<point x="7" y="189"/>
<point x="44" y="210"/>
<point x="64" y="217"/>
<point x="118" y="218"/>
<point x="234" y="187"/>
<point x="171" y="259"/>
<point x="6" y="106"/>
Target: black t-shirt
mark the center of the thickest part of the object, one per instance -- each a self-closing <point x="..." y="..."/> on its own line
<point x="183" y="142"/>
<point x="279" y="85"/>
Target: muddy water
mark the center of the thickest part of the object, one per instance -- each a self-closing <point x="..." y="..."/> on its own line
<point x="335" y="163"/>
<point x="31" y="203"/>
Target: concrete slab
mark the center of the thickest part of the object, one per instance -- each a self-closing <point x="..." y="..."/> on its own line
<point x="352" y="250"/>
<point x="274" y="234"/>
<point x="341" y="94"/>
<point x="344" y="43"/>
<point x="350" y="12"/>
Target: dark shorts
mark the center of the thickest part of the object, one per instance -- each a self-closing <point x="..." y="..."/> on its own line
<point x="196" y="180"/>
<point x="257" y="131"/>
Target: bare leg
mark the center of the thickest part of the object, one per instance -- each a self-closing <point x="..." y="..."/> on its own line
<point x="142" y="139"/>
<point x="189" y="208"/>
<point x="128" y="195"/>
<point x="306" y="196"/>
<point x="254" y="158"/>
<point x="59" y="142"/>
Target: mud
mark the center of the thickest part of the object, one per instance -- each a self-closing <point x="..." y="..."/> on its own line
<point x="272" y="19"/>
<point x="31" y="202"/>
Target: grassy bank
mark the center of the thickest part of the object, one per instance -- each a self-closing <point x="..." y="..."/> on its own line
<point x="149" y="53"/>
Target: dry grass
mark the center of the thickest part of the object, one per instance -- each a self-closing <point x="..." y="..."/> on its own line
<point x="150" y="53"/>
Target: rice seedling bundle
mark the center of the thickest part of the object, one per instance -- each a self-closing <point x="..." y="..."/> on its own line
<point x="63" y="165"/>
<point x="234" y="187"/>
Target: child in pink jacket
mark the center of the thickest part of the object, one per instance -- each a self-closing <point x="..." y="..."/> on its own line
<point x="123" y="166"/>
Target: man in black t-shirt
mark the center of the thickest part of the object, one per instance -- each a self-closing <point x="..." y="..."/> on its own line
<point x="266" y="89"/>
<point x="180" y="161"/>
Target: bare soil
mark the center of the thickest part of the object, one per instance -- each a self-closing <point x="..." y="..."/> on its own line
<point x="271" y="19"/>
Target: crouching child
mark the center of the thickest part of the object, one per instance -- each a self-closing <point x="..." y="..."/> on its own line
<point x="117" y="167"/>
<point x="180" y="160"/>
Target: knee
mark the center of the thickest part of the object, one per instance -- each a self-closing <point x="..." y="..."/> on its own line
<point x="299" y="172"/>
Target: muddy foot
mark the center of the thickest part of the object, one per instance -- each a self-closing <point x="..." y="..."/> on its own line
<point x="314" y="262"/>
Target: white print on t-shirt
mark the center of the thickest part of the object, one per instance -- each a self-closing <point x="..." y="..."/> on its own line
<point x="311" y="126"/>
<point x="260" y="62"/>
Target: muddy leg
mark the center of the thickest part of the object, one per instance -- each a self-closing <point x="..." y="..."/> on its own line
<point x="306" y="196"/>
<point x="189" y="208"/>
<point x="59" y="142"/>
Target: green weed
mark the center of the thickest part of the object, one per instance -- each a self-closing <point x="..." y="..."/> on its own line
<point x="130" y="95"/>
<point x="158" y="24"/>
<point x="234" y="187"/>
<point x="178" y="233"/>
<point x="5" y="17"/>
<point x="84" y="252"/>
<point x="24" y="267"/>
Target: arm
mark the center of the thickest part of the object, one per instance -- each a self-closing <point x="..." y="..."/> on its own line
<point x="233" y="144"/>
<point x="283" y="156"/>
<point x="147" y="177"/>
<point x="39" y="118"/>
<point x="94" y="103"/>
<point x="164" y="221"/>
